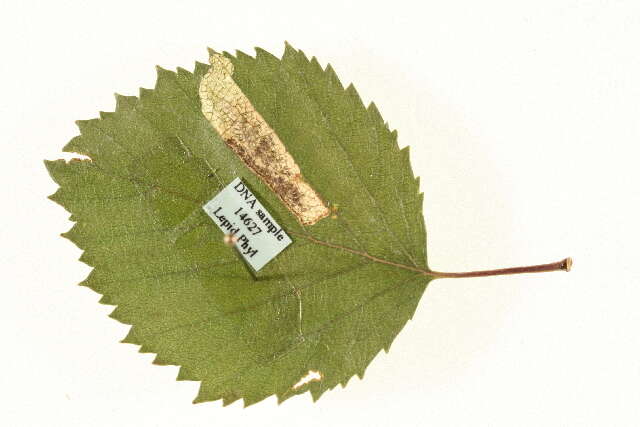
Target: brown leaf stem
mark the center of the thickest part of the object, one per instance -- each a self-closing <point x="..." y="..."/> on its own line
<point x="564" y="265"/>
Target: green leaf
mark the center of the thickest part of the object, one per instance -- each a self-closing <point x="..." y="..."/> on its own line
<point x="137" y="206"/>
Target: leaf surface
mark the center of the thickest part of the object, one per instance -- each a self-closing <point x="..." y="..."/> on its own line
<point x="137" y="207"/>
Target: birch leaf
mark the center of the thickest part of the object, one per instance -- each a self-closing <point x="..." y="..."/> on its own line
<point x="324" y="307"/>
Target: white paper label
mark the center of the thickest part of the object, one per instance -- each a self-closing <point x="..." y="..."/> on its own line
<point x="238" y="212"/>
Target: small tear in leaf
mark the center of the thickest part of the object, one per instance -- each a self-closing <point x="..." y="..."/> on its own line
<point x="311" y="376"/>
<point x="75" y="157"/>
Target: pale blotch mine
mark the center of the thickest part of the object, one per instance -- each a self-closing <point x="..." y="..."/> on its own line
<point x="246" y="132"/>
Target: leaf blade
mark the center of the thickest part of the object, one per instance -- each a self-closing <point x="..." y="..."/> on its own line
<point x="156" y="161"/>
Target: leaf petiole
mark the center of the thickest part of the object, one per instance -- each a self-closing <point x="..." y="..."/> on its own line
<point x="564" y="265"/>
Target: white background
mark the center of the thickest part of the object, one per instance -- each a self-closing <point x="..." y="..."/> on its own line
<point x="523" y="120"/>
